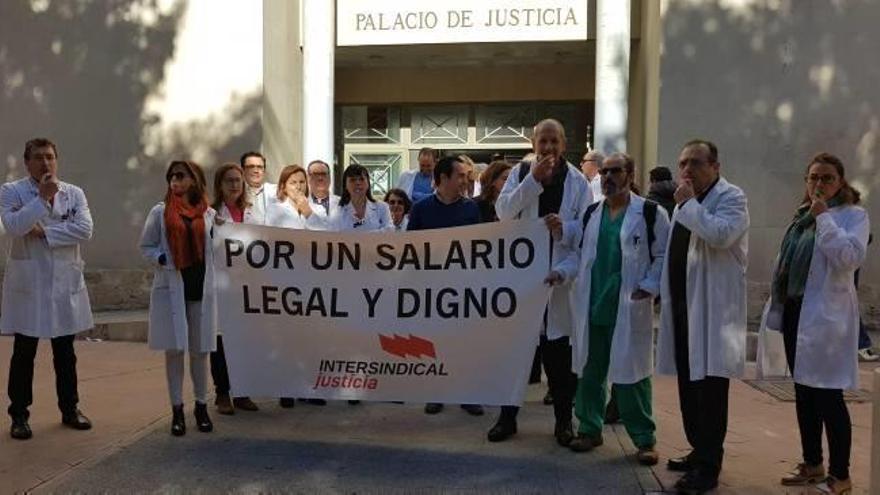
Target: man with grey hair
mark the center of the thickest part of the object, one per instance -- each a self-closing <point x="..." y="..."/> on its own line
<point x="552" y="188"/>
<point x="590" y="164"/>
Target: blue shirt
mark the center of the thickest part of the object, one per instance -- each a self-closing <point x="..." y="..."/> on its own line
<point x="423" y="186"/>
<point x="431" y="213"/>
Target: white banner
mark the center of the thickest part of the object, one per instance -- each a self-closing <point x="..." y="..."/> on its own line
<point x="392" y="22"/>
<point x="448" y="315"/>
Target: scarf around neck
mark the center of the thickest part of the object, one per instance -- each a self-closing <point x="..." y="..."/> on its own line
<point x="796" y="254"/>
<point x="187" y="243"/>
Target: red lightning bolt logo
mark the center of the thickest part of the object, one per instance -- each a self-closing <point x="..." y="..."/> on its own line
<point x="401" y="346"/>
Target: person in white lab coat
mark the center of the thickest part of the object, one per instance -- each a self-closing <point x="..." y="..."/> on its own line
<point x="260" y="194"/>
<point x="176" y="240"/>
<point x="814" y="304"/>
<point x="552" y="188"/>
<point x="702" y="335"/>
<point x="230" y="203"/>
<point x="615" y="276"/>
<point x="419" y="184"/>
<point x="44" y="292"/>
<point x="291" y="208"/>
<point x="321" y="199"/>
<point x="399" y="205"/>
<point x="590" y="164"/>
<point x="357" y="209"/>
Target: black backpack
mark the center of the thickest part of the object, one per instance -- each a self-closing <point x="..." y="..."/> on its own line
<point x="649" y="210"/>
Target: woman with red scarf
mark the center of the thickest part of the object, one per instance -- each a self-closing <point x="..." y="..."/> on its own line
<point x="177" y="240"/>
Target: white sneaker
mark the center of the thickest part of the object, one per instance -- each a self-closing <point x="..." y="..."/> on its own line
<point x="868" y="355"/>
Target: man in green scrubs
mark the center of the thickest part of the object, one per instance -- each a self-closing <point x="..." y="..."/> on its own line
<point x="606" y="274"/>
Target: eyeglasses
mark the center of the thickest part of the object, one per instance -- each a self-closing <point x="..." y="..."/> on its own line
<point x="693" y="163"/>
<point x="254" y="166"/>
<point x="322" y="175"/>
<point x="610" y="170"/>
<point x="590" y="161"/>
<point x="824" y="179"/>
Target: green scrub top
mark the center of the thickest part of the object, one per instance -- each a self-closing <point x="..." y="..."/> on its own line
<point x="605" y="277"/>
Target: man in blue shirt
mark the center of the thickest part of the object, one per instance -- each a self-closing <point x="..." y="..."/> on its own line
<point x="419" y="184"/>
<point x="447" y="207"/>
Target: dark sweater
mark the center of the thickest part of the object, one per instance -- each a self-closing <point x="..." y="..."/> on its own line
<point x="431" y="213"/>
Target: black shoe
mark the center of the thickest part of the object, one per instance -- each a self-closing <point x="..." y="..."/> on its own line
<point x="502" y="431"/>
<point x="178" y="421"/>
<point x="612" y="414"/>
<point x="20" y="429"/>
<point x="433" y="408"/>
<point x="680" y="464"/>
<point x="76" y="420"/>
<point x="203" y="421"/>
<point x="353" y="402"/>
<point x="548" y="399"/>
<point x="473" y="409"/>
<point x="317" y="402"/>
<point x="695" y="482"/>
<point x="563" y="433"/>
<point x="287" y="402"/>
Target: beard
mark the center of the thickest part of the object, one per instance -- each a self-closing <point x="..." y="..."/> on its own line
<point x="610" y="188"/>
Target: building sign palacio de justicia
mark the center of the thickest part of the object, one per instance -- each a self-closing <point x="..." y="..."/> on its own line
<point x="392" y="22"/>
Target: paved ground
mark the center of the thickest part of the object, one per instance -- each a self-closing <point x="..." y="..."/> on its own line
<point x="372" y="448"/>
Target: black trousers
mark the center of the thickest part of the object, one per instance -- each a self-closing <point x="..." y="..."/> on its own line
<point x="562" y="382"/>
<point x="21" y="374"/>
<point x="219" y="372"/>
<point x="703" y="405"/>
<point x="817" y="407"/>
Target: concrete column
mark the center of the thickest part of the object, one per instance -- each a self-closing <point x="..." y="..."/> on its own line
<point x="319" y="43"/>
<point x="612" y="74"/>
<point x="282" y="85"/>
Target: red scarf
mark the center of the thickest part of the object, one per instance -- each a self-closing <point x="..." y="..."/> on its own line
<point x="185" y="252"/>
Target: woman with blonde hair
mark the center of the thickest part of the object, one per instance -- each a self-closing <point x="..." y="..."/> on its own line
<point x="292" y="209"/>
<point x="231" y="205"/>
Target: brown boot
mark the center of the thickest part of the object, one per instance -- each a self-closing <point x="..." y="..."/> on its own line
<point x="224" y="404"/>
<point x="585" y="443"/>
<point x="804" y="474"/>
<point x="835" y="486"/>
<point x="245" y="404"/>
<point x="647" y="456"/>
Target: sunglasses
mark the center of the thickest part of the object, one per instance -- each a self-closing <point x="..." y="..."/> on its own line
<point x="824" y="179"/>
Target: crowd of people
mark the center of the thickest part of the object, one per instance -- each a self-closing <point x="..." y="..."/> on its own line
<point x="614" y="255"/>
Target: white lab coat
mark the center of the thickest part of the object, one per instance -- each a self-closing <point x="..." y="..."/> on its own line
<point x="596" y="188"/>
<point x="322" y="217"/>
<point x="716" y="286"/>
<point x="283" y="214"/>
<point x="520" y="200"/>
<point x="376" y="218"/>
<point x="248" y="217"/>
<point x="828" y="328"/>
<point x="260" y="200"/>
<point x="632" y="344"/>
<point x="168" y="328"/>
<point x="44" y="291"/>
<point x="406" y="181"/>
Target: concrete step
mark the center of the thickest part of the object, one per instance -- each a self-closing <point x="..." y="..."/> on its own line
<point x="129" y="326"/>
